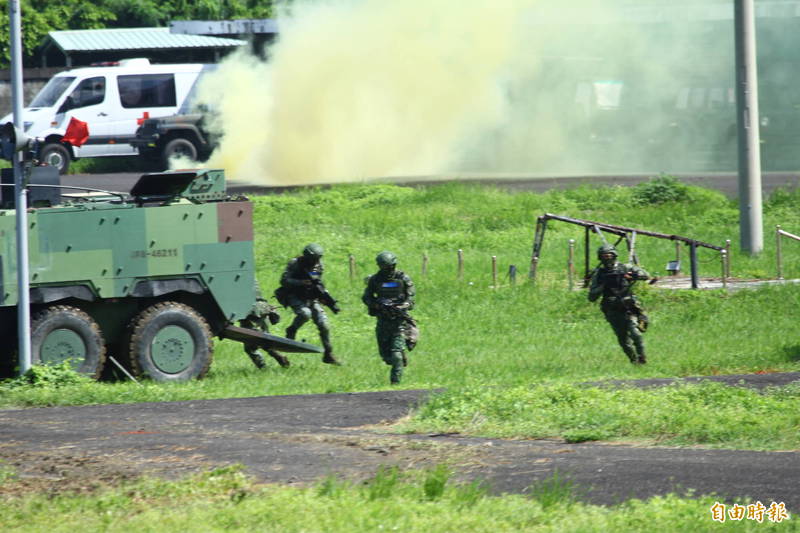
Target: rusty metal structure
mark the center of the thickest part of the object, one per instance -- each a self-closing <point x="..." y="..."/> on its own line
<point x="622" y="233"/>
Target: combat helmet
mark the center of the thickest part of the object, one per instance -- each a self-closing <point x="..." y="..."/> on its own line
<point x="312" y="251"/>
<point x="606" y="249"/>
<point x="386" y="259"/>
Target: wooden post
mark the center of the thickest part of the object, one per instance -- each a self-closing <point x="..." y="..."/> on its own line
<point x="352" y="261"/>
<point x="460" y="264"/>
<point x="778" y="254"/>
<point x="425" y="265"/>
<point x="494" y="271"/>
<point x="571" y="263"/>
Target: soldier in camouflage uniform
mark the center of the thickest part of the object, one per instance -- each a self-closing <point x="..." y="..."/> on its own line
<point x="613" y="281"/>
<point x="389" y="296"/>
<point x="257" y="319"/>
<point x="297" y="290"/>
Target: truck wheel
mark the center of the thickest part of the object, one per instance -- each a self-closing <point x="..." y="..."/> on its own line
<point x="55" y="155"/>
<point x="178" y="147"/>
<point x="170" y="341"/>
<point x="61" y="333"/>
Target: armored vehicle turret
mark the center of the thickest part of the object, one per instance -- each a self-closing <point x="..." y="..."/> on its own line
<point x="147" y="278"/>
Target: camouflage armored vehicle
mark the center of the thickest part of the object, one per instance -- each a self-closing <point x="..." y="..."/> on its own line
<point x="146" y="278"/>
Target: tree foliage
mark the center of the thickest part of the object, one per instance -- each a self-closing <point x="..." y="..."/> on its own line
<point x="39" y="17"/>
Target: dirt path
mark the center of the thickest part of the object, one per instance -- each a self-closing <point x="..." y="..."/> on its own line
<point x="299" y="439"/>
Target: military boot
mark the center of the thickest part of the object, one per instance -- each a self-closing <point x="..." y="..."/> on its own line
<point x="330" y="359"/>
<point x="631" y="353"/>
<point x="291" y="332"/>
<point x="281" y="359"/>
<point x="257" y="359"/>
<point x="641" y="359"/>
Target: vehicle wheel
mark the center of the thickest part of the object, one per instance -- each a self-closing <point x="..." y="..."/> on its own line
<point x="61" y="333"/>
<point x="178" y="147"/>
<point x="55" y="155"/>
<point x="170" y="341"/>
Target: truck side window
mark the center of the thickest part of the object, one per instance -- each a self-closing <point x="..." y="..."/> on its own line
<point x="90" y="91"/>
<point x="147" y="90"/>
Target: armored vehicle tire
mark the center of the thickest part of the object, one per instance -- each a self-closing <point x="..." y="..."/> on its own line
<point x="170" y="341"/>
<point x="61" y="333"/>
<point x="178" y="147"/>
<point x="55" y="155"/>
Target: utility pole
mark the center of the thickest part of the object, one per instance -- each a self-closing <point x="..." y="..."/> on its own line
<point x="20" y="193"/>
<point x="751" y="230"/>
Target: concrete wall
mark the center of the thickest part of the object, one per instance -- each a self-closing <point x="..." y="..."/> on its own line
<point x="33" y="79"/>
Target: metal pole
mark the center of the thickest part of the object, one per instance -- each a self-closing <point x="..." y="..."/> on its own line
<point x="728" y="258"/>
<point x="460" y="264"/>
<point x="723" y="254"/>
<point x="21" y="196"/>
<point x="778" y="254"/>
<point x="586" y="252"/>
<point x="494" y="271"/>
<point x="538" y="238"/>
<point x="693" y="265"/>
<point x="750" y="208"/>
<point x="571" y="262"/>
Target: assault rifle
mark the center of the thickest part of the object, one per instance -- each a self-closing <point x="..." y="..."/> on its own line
<point x="318" y="291"/>
<point x="389" y="309"/>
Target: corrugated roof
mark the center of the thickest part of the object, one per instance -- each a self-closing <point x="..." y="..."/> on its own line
<point x="134" y="39"/>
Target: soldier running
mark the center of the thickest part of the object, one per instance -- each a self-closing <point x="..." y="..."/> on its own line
<point x="302" y="290"/>
<point x="389" y="296"/>
<point x="614" y="281"/>
<point x="257" y="319"/>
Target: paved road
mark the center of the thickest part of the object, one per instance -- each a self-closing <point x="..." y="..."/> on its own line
<point x="300" y="439"/>
<point x="724" y="182"/>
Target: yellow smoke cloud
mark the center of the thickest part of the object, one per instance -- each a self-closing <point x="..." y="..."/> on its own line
<point x="363" y="89"/>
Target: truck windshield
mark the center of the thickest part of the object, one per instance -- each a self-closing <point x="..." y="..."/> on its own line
<point x="51" y="92"/>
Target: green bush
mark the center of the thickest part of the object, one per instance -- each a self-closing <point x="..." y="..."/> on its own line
<point x="660" y="190"/>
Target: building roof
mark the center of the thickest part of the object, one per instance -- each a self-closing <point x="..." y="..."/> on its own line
<point x="134" y="39"/>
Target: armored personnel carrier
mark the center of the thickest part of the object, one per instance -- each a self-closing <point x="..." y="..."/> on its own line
<point x="144" y="279"/>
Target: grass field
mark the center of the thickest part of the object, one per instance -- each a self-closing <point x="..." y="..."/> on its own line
<point x="509" y="356"/>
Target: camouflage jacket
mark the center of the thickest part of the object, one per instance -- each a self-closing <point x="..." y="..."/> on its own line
<point x="297" y="272"/>
<point x="396" y="287"/>
<point x="612" y="284"/>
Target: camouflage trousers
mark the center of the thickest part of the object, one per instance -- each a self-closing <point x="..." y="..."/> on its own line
<point x="391" y="345"/>
<point x="626" y="327"/>
<point x="305" y="310"/>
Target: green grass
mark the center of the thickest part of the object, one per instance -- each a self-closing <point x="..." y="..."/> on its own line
<point x="476" y="335"/>
<point x="226" y="500"/>
<point x="710" y="414"/>
<point x="509" y="356"/>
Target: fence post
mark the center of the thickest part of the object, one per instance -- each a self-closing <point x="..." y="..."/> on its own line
<point x="352" y="261"/>
<point x="460" y="264"/>
<point x="778" y="254"/>
<point x="425" y="265"/>
<point x="571" y="263"/>
<point x="494" y="271"/>
<point x="724" y="256"/>
<point x="728" y="258"/>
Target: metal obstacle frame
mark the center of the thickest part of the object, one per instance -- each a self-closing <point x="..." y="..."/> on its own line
<point x="627" y="234"/>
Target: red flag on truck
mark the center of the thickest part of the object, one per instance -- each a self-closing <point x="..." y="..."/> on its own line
<point x="77" y="132"/>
